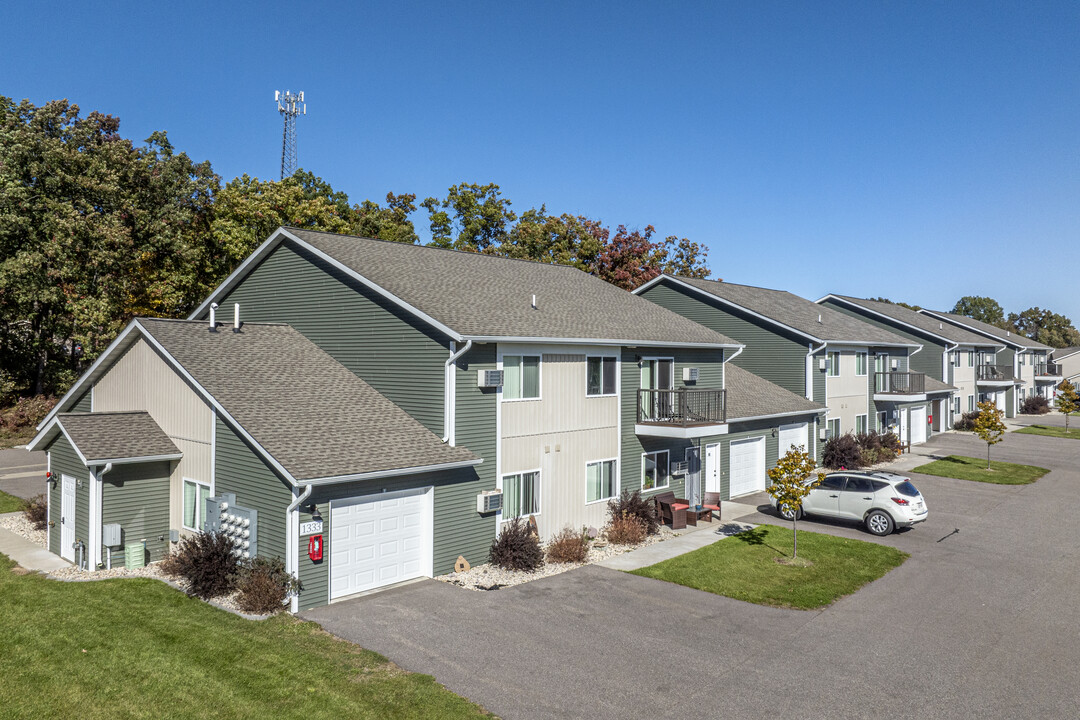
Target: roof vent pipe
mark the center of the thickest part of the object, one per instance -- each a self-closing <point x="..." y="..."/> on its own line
<point x="236" y="317"/>
<point x="819" y="317"/>
<point x="213" y="317"/>
<point x="534" y="302"/>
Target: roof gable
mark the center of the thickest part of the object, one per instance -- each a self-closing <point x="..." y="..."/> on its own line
<point x="986" y="329"/>
<point x="914" y="320"/>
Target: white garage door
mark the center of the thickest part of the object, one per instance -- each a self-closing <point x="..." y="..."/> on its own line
<point x="918" y="425"/>
<point x="378" y="540"/>
<point x="747" y="466"/>
<point x="794" y="434"/>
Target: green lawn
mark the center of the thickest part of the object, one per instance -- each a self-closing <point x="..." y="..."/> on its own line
<point x="9" y="503"/>
<point x="744" y="567"/>
<point x="1051" y="431"/>
<point x="969" y="468"/>
<point x="140" y="649"/>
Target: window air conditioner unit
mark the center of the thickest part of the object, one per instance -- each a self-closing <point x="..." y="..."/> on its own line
<point x="679" y="467"/>
<point x="690" y="374"/>
<point x="489" y="501"/>
<point x="489" y="378"/>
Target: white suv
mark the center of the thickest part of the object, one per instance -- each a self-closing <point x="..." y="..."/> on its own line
<point x="883" y="501"/>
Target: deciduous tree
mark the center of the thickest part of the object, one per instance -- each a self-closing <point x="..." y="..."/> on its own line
<point x="1044" y="326"/>
<point x="791" y="483"/>
<point x="1067" y="400"/>
<point x="470" y="217"/>
<point x="990" y="426"/>
<point x="983" y="309"/>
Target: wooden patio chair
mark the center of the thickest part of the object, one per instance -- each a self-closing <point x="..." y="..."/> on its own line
<point x="711" y="501"/>
<point x="671" y="509"/>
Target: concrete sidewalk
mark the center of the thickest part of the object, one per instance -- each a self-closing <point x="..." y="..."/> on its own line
<point x="27" y="554"/>
<point x="705" y="533"/>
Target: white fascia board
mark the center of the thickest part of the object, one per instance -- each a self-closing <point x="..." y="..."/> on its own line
<point x="896" y="397"/>
<point x="82" y="458"/>
<point x="792" y="413"/>
<point x="681" y="433"/>
<point x="884" y="317"/>
<point x="1057" y="358"/>
<point x="870" y="344"/>
<point x="392" y="473"/>
<point x="975" y="330"/>
<point x="719" y="299"/>
<point x="276" y="239"/>
<point x="597" y="341"/>
<point x="130" y="460"/>
<point x="87" y="376"/>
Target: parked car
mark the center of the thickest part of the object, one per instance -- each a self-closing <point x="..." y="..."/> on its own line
<point x="882" y="501"/>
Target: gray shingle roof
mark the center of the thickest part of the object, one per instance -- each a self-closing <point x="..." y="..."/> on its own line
<point x="480" y="295"/>
<point x="1003" y="335"/>
<point x="935" y="385"/>
<point x="799" y="313"/>
<point x="116" y="435"/>
<point x="923" y="322"/>
<point x="1065" y="352"/>
<point x="749" y="396"/>
<point x="312" y="415"/>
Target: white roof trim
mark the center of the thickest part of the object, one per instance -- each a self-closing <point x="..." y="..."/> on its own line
<point x="818" y="411"/>
<point x="885" y="317"/>
<point x="1062" y="357"/>
<point x="46" y="433"/>
<point x="130" y="460"/>
<point x="392" y="473"/>
<point x="596" y="341"/>
<point x="992" y="336"/>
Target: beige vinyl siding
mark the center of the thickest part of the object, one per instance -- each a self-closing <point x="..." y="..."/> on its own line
<point x="848" y="393"/>
<point x="64" y="461"/>
<point x="928" y="360"/>
<point x="141" y="380"/>
<point x="137" y="497"/>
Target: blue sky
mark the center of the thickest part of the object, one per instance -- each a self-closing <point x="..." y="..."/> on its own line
<point x="915" y="150"/>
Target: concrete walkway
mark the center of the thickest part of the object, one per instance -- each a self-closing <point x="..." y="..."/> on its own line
<point x="27" y="554"/>
<point x="705" y="533"/>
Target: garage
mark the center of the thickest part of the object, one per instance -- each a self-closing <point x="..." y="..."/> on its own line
<point x="747" y="466"/>
<point x="918" y="425"/>
<point x="379" y="540"/>
<point x="794" y="434"/>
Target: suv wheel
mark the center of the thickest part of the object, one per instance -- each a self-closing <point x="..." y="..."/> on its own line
<point x="879" y="522"/>
<point x="788" y="514"/>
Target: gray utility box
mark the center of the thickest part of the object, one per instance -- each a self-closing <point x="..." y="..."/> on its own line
<point x="112" y="535"/>
<point x="239" y="524"/>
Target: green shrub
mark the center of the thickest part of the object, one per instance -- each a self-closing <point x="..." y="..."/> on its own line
<point x="1035" y="405"/>
<point x="264" y="586"/>
<point x="205" y="561"/>
<point x="568" y="546"/>
<point x="516" y="548"/>
<point x="632" y="504"/>
<point x="36" y="510"/>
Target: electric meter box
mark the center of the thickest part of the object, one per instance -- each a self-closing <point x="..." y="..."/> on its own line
<point x="239" y="524"/>
<point x="112" y="535"/>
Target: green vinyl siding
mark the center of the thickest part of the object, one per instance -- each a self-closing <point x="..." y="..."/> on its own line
<point x="927" y="360"/>
<point x="476" y="429"/>
<point x="137" y="497"/>
<point x="454" y="511"/>
<point x="64" y="461"/>
<point x="775" y="354"/>
<point x="397" y="354"/>
<point x="83" y="403"/>
<point x="239" y="470"/>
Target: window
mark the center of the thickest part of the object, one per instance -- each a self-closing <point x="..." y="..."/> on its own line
<point x="956" y="358"/>
<point x="971" y="358"/>
<point x="833" y="364"/>
<point x="1022" y="358"/>
<point x="654" y="470"/>
<point x="859" y="485"/>
<point x="521" y="495"/>
<point x="600" y="373"/>
<point x="834" y="427"/>
<point x="860" y="363"/>
<point x="956" y="405"/>
<point x="882" y="421"/>
<point x="599" y="481"/>
<point x="860" y="424"/>
<point x="1021" y="393"/>
<point x="195" y="495"/>
<point x="971" y="403"/>
<point x="833" y="482"/>
<point x="521" y="377"/>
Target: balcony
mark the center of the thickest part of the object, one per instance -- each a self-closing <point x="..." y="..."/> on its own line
<point x="899" y="386"/>
<point x="996" y="375"/>
<point x="681" y="413"/>
<point x="1048" y="371"/>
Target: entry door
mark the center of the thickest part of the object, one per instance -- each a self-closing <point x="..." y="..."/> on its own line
<point x="657" y="374"/>
<point x="693" y="475"/>
<point x="67" y="517"/>
<point x="712" y="467"/>
<point x="904" y="437"/>
<point x="918" y="425"/>
<point x="999" y="400"/>
<point x="881" y="365"/>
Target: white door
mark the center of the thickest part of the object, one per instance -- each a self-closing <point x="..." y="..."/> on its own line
<point x="918" y="425"/>
<point x="904" y="437"/>
<point x="378" y="540"/>
<point x="747" y="466"/>
<point x="794" y="434"/>
<point x="712" y="467"/>
<point x="67" y="517"/>
<point x="999" y="400"/>
<point x="692" y="485"/>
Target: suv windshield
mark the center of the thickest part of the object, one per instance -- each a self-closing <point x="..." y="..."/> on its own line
<point x="906" y="488"/>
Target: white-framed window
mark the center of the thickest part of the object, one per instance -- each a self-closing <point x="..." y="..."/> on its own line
<point x="521" y="377"/>
<point x="860" y="424"/>
<point x="956" y="358"/>
<point x="600" y="376"/>
<point x="971" y="358"/>
<point x="956" y="405"/>
<point x="521" y="494"/>
<point x="832" y="365"/>
<point x="600" y="480"/>
<point x="195" y="495"/>
<point x="833" y="426"/>
<point x="655" y="470"/>
<point x="860" y="363"/>
<point x="882" y="421"/>
<point x="971" y="403"/>
<point x="1022" y="358"/>
<point x="1022" y="393"/>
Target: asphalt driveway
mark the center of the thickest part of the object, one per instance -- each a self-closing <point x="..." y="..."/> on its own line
<point x="980" y="623"/>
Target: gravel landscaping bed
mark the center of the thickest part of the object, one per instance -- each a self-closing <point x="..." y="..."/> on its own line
<point x="18" y="524"/>
<point x="490" y="577"/>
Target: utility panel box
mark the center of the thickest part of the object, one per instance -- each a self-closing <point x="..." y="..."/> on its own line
<point x="690" y="374"/>
<point x="112" y="535"/>
<point x="489" y="378"/>
<point x="489" y="501"/>
<point x="239" y="524"/>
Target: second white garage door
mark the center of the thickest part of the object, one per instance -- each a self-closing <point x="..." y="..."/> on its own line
<point x="794" y="434"/>
<point x="379" y="540"/>
<point x="918" y="425"/>
<point x="747" y="466"/>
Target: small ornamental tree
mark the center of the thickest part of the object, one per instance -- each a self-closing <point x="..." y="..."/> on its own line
<point x="1067" y="400"/>
<point x="990" y="426"/>
<point x="791" y="483"/>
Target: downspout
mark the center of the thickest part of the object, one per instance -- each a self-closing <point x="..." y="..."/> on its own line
<point x="449" y="394"/>
<point x="723" y="382"/>
<point x="292" y="559"/>
<point x="810" y="368"/>
<point x="93" y="561"/>
<point x="946" y="363"/>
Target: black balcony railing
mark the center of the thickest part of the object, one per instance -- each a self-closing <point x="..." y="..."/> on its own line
<point x="996" y="372"/>
<point x="1048" y="370"/>
<point x="682" y="407"/>
<point x="900" y="383"/>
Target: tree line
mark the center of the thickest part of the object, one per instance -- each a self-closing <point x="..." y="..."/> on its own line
<point x="96" y="229"/>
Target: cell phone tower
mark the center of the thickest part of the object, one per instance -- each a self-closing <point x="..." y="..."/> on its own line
<point x="290" y="106"/>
